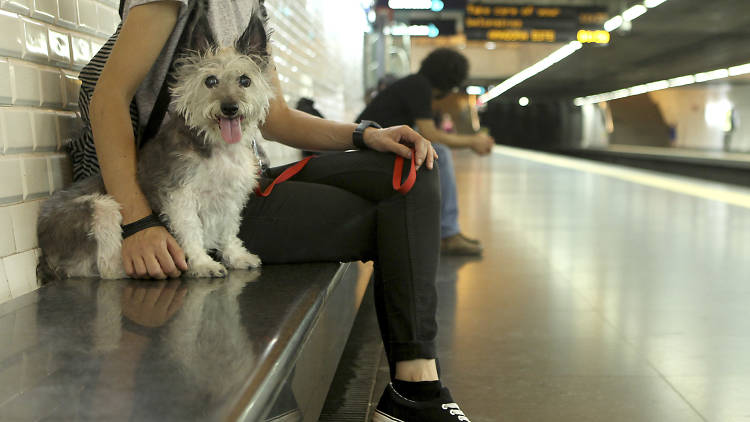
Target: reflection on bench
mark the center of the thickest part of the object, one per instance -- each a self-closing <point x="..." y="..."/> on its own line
<point x="258" y="345"/>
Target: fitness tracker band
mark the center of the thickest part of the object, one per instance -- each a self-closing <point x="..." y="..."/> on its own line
<point x="358" y="137"/>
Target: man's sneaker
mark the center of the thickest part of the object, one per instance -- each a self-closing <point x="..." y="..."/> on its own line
<point x="394" y="407"/>
<point x="460" y="245"/>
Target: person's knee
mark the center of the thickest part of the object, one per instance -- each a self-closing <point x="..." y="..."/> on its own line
<point x="429" y="183"/>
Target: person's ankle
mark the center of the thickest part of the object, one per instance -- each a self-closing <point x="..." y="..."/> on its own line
<point x="417" y="370"/>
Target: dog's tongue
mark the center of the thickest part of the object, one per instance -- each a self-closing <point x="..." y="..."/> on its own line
<point x="230" y="130"/>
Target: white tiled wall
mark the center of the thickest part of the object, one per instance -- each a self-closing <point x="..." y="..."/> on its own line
<point x="318" y="48"/>
<point x="44" y="43"/>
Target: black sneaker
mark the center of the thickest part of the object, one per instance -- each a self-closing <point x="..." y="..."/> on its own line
<point x="393" y="407"/>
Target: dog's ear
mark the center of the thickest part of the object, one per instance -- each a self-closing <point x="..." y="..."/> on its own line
<point x="254" y="41"/>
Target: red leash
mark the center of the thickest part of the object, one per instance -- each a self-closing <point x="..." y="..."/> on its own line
<point x="402" y="188"/>
<point x="284" y="176"/>
<point x="398" y="165"/>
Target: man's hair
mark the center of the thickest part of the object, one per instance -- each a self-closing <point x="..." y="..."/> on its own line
<point x="445" y="68"/>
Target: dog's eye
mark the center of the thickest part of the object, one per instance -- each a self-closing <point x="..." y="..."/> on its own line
<point x="245" y="81"/>
<point x="212" y="81"/>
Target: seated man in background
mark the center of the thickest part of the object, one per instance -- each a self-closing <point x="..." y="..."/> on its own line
<point x="409" y="101"/>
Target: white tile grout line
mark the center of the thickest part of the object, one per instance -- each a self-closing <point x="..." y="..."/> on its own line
<point x="733" y="195"/>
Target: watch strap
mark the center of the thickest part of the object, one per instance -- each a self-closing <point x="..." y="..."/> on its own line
<point x="144" y="223"/>
<point x="358" y="137"/>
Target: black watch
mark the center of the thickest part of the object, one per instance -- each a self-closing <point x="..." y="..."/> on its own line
<point x="358" y="137"/>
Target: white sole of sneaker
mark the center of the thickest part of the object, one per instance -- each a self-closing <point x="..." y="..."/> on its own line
<point x="379" y="417"/>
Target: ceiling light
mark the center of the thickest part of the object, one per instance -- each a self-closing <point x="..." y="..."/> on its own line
<point x="653" y="3"/>
<point x="634" y="12"/>
<point x="613" y="23"/>
<point x="739" y="70"/>
<point x="475" y="90"/>
<point x="534" y="69"/>
<point x="659" y="85"/>
<point x="682" y="81"/>
<point x="523" y="101"/>
<point x="710" y="76"/>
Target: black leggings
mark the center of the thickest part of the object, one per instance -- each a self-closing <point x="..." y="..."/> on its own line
<point x="342" y="207"/>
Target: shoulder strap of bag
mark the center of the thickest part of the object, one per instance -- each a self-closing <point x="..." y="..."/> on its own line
<point x="161" y="106"/>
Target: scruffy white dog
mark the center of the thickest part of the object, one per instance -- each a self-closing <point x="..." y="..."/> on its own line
<point x="197" y="173"/>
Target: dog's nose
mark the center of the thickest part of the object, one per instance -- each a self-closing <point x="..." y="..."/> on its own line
<point x="230" y="110"/>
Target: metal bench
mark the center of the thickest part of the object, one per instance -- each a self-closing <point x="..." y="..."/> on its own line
<point x="259" y="345"/>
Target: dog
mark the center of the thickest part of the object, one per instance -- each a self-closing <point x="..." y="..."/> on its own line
<point x="197" y="173"/>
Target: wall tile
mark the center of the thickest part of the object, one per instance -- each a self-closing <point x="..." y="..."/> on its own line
<point x="24" y="224"/>
<point x="19" y="6"/>
<point x="67" y="127"/>
<point x="72" y="86"/>
<point x="11" y="190"/>
<point x="4" y="296"/>
<point x="45" y="10"/>
<point x="68" y="16"/>
<point x="17" y="130"/>
<point x="20" y="269"/>
<point x="35" y="45"/>
<point x="59" y="48"/>
<point x="7" y="239"/>
<point x="95" y="47"/>
<point x="51" y="88"/>
<point x="11" y="35"/>
<point x="35" y="178"/>
<point x="26" y="81"/>
<point x="6" y="95"/>
<point x="60" y="171"/>
<point x="108" y="19"/>
<point x="45" y="131"/>
<point x="87" y="15"/>
<point x="82" y="53"/>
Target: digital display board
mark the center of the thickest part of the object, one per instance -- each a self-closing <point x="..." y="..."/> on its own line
<point x="530" y="23"/>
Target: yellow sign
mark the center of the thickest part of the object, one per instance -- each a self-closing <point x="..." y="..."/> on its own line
<point x="519" y="35"/>
<point x="597" y="37"/>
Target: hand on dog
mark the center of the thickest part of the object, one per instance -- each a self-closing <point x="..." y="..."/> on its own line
<point x="399" y="140"/>
<point x="153" y="253"/>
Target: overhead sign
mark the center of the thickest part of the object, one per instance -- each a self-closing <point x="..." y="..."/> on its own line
<point x="530" y="23"/>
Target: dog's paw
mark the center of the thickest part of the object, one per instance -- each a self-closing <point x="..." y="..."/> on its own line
<point x="207" y="269"/>
<point x="242" y="260"/>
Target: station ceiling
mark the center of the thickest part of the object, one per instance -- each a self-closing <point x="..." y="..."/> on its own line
<point x="678" y="38"/>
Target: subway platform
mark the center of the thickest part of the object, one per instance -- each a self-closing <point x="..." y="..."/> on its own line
<point x="605" y="294"/>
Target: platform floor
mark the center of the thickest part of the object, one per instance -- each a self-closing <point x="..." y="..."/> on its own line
<point x="605" y="294"/>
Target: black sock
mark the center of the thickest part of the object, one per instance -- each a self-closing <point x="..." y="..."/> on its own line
<point x="418" y="391"/>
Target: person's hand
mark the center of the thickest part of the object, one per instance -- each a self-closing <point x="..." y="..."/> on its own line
<point x="152" y="306"/>
<point x="483" y="143"/>
<point x="399" y="140"/>
<point x="153" y="253"/>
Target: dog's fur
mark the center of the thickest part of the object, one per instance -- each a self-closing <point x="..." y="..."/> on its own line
<point x="194" y="179"/>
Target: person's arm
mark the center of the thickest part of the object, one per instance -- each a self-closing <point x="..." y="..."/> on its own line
<point x="481" y="143"/>
<point x="301" y="130"/>
<point x="151" y="252"/>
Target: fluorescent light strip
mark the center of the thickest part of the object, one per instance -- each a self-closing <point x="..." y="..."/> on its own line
<point x="529" y="72"/>
<point x="570" y="48"/>
<point x="659" y="85"/>
<point x="739" y="70"/>
<point x="634" y="12"/>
